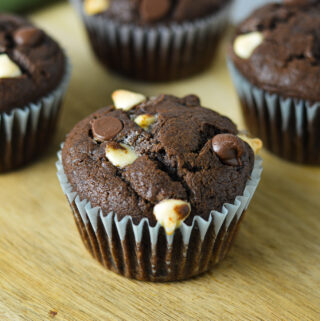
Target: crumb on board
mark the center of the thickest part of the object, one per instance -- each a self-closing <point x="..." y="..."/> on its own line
<point x="52" y="313"/>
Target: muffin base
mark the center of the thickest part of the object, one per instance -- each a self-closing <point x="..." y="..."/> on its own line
<point x="159" y="53"/>
<point x="146" y="252"/>
<point x="288" y="127"/>
<point x="25" y="132"/>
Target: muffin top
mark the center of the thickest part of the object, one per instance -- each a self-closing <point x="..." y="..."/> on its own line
<point x="31" y="63"/>
<point x="277" y="49"/>
<point x="152" y="11"/>
<point x="142" y="156"/>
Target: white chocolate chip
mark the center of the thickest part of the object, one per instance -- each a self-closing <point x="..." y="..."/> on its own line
<point x="124" y="99"/>
<point x="245" y="44"/>
<point x="145" y="120"/>
<point x="8" y="69"/>
<point x="92" y="7"/>
<point x="255" y="143"/>
<point x="120" y="155"/>
<point x="171" y="213"/>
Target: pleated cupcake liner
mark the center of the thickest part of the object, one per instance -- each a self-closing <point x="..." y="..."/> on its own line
<point x="146" y="252"/>
<point x="26" y="131"/>
<point x="155" y="53"/>
<point x="288" y="127"/>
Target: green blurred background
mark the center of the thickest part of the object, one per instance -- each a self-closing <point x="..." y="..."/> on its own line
<point x="22" y="5"/>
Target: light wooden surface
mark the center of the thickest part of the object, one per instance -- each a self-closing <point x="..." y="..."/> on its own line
<point x="272" y="272"/>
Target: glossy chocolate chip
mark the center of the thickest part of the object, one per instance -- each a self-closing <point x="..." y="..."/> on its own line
<point x="28" y="36"/>
<point x="229" y="148"/>
<point x="106" y="128"/>
<point x="153" y="10"/>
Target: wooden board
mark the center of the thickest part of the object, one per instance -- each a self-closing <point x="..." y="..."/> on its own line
<point x="272" y="272"/>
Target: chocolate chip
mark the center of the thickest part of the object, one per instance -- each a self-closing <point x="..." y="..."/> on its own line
<point x="105" y="128"/>
<point x="229" y="148"/>
<point x="153" y="10"/>
<point x="28" y="36"/>
<point x="191" y="101"/>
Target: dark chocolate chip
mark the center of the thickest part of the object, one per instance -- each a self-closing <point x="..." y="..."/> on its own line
<point x="28" y="36"/>
<point x="191" y="101"/>
<point x="106" y="128"/>
<point x="229" y="148"/>
<point x="153" y="10"/>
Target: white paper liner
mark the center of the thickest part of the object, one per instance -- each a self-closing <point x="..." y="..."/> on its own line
<point x="230" y="212"/>
<point x="20" y="127"/>
<point x="158" y="52"/>
<point x="289" y="127"/>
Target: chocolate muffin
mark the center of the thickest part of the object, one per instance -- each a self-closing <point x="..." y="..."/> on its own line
<point x="150" y="180"/>
<point x="275" y="63"/>
<point x="33" y="79"/>
<point x="154" y="40"/>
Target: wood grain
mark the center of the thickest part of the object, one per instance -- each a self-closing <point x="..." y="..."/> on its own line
<point x="272" y="272"/>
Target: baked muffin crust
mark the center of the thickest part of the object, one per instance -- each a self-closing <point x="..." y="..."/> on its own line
<point x="174" y="159"/>
<point x="142" y="12"/>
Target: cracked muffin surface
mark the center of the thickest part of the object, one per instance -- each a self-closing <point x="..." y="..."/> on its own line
<point x="174" y="158"/>
<point x="287" y="61"/>
<point x="142" y="12"/>
<point x="39" y="58"/>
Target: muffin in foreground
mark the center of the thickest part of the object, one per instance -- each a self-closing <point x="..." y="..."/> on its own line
<point x="158" y="186"/>
<point x="33" y="79"/>
<point x="275" y="63"/>
<point x="155" y="40"/>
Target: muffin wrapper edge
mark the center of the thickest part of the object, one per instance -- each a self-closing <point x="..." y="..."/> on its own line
<point x="158" y="52"/>
<point x="148" y="253"/>
<point x="289" y="127"/>
<point x="25" y="131"/>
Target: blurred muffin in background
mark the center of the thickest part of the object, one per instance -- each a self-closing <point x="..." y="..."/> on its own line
<point x="34" y="74"/>
<point x="154" y="40"/>
<point x="274" y="59"/>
